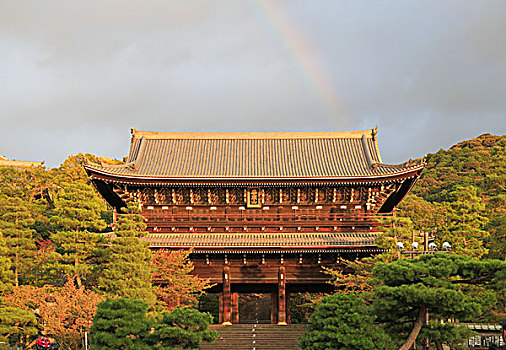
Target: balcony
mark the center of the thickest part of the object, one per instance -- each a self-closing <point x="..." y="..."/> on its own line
<point x="263" y="218"/>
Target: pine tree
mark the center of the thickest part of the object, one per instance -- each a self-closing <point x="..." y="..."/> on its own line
<point x="128" y="270"/>
<point x="120" y="324"/>
<point x="16" y="325"/>
<point x="182" y="328"/>
<point x="465" y="222"/>
<point x="15" y="222"/>
<point x="6" y="275"/>
<point x="343" y="321"/>
<point x="435" y="284"/>
<point x="78" y="209"/>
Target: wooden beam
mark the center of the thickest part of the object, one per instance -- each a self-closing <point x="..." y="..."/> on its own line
<point x="235" y="308"/>
<point x="281" y="296"/>
<point x="227" y="298"/>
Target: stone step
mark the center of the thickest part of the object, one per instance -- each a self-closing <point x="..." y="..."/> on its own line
<point x="258" y="337"/>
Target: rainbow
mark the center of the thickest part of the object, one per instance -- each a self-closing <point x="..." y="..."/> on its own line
<point x="301" y="53"/>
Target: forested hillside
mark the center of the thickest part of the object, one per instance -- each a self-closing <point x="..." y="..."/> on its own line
<point x="462" y="193"/>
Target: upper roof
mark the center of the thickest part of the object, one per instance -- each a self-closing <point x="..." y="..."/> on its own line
<point x="253" y="155"/>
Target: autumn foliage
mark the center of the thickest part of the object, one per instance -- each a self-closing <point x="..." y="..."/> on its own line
<point x="64" y="313"/>
<point x="175" y="284"/>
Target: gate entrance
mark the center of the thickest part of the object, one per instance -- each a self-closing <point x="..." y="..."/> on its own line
<point x="255" y="307"/>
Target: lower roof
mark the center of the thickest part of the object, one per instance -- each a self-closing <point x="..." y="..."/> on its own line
<point x="312" y="240"/>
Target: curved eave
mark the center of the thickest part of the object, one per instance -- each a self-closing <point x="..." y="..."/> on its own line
<point x="395" y="198"/>
<point x="274" y="250"/>
<point x="105" y="190"/>
<point x="102" y="180"/>
<point x="263" y="247"/>
<point x="154" y="180"/>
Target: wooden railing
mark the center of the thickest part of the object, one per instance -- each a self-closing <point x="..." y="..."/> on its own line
<point x="295" y="217"/>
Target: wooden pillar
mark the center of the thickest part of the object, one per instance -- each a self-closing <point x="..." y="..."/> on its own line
<point x="281" y="296"/>
<point x="227" y="299"/>
<point x="235" y="307"/>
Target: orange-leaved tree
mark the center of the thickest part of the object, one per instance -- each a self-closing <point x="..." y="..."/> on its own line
<point x="64" y="313"/>
<point x="175" y="286"/>
<point x="69" y="313"/>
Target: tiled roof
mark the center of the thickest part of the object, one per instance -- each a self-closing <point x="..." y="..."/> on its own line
<point x="483" y="326"/>
<point x="260" y="240"/>
<point x="4" y="161"/>
<point x="175" y="155"/>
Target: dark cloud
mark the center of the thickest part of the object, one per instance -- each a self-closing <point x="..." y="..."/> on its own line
<point x="77" y="75"/>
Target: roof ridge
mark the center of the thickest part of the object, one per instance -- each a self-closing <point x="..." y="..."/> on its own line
<point x="368" y="133"/>
<point x="410" y="163"/>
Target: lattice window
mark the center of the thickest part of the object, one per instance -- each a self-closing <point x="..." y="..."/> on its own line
<point x="236" y="196"/>
<point x="361" y="194"/>
<point x="306" y="195"/>
<point x="182" y="196"/>
<point x="147" y="196"/>
<point x="165" y="195"/>
<point x="340" y="194"/>
<point x="325" y="195"/>
<point x="217" y="196"/>
<point x="271" y="196"/>
<point x="200" y="196"/>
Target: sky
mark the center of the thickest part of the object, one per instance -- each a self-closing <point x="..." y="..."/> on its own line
<point x="75" y="76"/>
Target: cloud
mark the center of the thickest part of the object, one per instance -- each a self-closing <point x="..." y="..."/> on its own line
<point x="80" y="74"/>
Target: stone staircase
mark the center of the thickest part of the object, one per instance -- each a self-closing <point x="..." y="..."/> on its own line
<point x="256" y="337"/>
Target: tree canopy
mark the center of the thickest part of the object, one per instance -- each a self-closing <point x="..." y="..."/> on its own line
<point x="441" y="284"/>
<point x="343" y="321"/>
<point x="59" y="258"/>
<point x="128" y="269"/>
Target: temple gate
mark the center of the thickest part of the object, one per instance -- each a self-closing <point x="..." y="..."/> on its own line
<point x="263" y="212"/>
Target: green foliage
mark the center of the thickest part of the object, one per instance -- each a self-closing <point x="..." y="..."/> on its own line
<point x="454" y="336"/>
<point x="479" y="162"/>
<point x="303" y="305"/>
<point x="77" y="212"/>
<point x="16" y="325"/>
<point x="343" y="321"/>
<point x="437" y="282"/>
<point x="78" y="208"/>
<point x="6" y="275"/>
<point x="466" y="222"/>
<point x="128" y="270"/>
<point x="425" y="215"/>
<point x="396" y="229"/>
<point x="182" y="328"/>
<point x="76" y="252"/>
<point x="479" y="167"/>
<point x="496" y="242"/>
<point x="120" y="324"/>
<point x="15" y="221"/>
